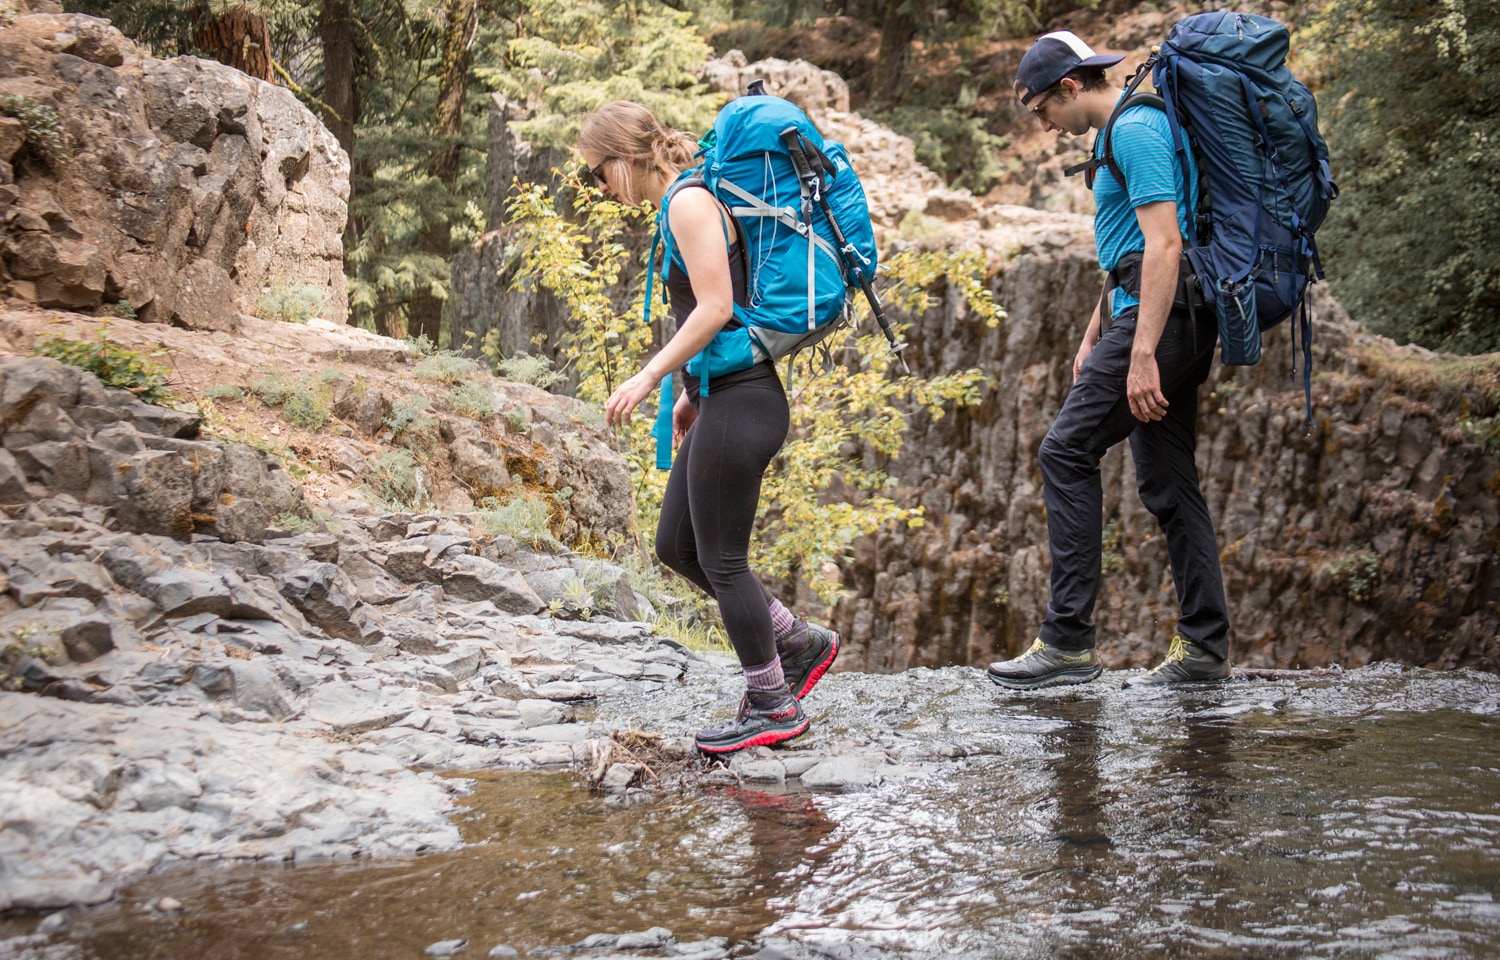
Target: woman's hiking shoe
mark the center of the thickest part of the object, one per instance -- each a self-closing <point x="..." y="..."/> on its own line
<point x="1186" y="662"/>
<point x="816" y="648"/>
<point x="765" y="718"/>
<point x="1044" y="666"/>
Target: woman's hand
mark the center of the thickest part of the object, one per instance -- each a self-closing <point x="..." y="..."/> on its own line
<point x="683" y="415"/>
<point x="628" y="396"/>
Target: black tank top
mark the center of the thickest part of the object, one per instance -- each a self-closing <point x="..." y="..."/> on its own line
<point x="680" y="297"/>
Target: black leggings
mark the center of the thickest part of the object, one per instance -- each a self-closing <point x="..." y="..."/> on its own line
<point x="709" y="506"/>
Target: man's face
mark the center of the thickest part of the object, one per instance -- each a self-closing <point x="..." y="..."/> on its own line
<point x="1057" y="108"/>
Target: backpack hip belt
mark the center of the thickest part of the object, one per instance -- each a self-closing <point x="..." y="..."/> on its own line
<point x="1127" y="276"/>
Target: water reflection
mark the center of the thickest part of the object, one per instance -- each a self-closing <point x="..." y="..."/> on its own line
<point x="1079" y="828"/>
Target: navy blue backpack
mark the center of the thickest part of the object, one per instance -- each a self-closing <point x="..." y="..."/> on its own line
<point x="1264" y="179"/>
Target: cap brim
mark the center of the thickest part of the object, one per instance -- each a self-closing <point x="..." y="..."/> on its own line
<point x="1101" y="60"/>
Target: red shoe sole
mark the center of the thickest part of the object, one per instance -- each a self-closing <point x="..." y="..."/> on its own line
<point x="767" y="739"/>
<point x="820" y="669"/>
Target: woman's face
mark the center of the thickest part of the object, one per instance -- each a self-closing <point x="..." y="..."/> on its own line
<point x="602" y="168"/>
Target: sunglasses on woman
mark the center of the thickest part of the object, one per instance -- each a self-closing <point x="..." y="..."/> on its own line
<point x="597" y="173"/>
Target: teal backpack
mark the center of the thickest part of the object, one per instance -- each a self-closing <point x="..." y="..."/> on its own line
<point x="805" y="233"/>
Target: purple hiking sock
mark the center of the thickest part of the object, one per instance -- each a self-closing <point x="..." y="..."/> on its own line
<point x="767" y="676"/>
<point x="782" y="621"/>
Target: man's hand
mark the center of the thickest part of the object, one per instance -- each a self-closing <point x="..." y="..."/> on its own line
<point x="1143" y="389"/>
<point x="1084" y="349"/>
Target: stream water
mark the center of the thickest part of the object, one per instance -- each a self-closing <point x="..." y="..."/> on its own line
<point x="1349" y="816"/>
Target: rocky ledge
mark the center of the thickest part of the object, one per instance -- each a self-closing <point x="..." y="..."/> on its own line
<point x="181" y="679"/>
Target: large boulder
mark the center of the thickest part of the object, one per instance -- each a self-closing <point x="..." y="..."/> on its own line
<point x="62" y="431"/>
<point x="183" y="187"/>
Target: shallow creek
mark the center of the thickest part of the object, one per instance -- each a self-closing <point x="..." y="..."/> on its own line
<point x="1349" y="816"/>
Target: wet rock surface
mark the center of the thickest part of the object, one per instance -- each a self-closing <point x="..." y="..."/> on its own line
<point x="213" y="700"/>
<point x="1307" y="815"/>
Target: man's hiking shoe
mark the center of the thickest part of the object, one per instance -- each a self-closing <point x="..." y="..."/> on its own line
<point x="1044" y="666"/>
<point x="1186" y="662"/>
<point x="765" y="718"/>
<point x="819" y="648"/>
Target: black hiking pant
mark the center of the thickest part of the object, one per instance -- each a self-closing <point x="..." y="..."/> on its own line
<point x="708" y="509"/>
<point x="1096" y="416"/>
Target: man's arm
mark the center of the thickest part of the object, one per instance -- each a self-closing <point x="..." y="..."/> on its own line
<point x="1159" y="267"/>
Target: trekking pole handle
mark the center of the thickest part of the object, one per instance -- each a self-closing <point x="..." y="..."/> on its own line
<point x="792" y="138"/>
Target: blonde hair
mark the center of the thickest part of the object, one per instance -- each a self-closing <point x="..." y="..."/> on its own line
<point x="629" y="138"/>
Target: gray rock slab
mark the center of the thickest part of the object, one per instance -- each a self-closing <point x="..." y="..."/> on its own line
<point x="347" y="710"/>
<point x="326" y="596"/>
<point x="552" y="733"/>
<point x="536" y="713"/>
<point x="849" y="773"/>
<point x="604" y="632"/>
<point x="563" y="690"/>
<point x="469" y="577"/>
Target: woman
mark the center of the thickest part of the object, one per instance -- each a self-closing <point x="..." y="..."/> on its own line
<point x="726" y="439"/>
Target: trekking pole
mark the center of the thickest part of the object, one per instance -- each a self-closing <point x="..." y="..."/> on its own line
<point x="793" y="140"/>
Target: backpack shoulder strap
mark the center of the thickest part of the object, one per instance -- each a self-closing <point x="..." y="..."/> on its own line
<point x="1104" y="155"/>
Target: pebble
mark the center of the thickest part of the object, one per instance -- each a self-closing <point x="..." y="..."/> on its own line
<point x="446" y="948"/>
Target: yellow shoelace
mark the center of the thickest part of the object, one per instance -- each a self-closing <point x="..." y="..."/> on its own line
<point x="1176" y="653"/>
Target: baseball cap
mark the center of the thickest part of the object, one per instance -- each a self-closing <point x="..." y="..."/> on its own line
<point x="1052" y="56"/>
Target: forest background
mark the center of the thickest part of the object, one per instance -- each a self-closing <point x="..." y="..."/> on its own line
<point x="1411" y="114"/>
<point x="1409" y="109"/>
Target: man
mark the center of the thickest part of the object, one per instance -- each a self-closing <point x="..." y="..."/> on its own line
<point x="1136" y="375"/>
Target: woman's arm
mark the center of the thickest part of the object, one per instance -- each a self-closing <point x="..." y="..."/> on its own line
<point x="698" y="231"/>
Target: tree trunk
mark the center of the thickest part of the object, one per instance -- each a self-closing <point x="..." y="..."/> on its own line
<point x="897" y="30"/>
<point x="238" y="37"/>
<point x="448" y="127"/>
<point x="335" y="27"/>
<point x="339" y="95"/>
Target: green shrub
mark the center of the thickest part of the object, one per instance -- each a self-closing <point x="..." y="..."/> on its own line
<point x="472" y="400"/>
<point x="447" y="367"/>
<point x="305" y="405"/>
<point x="115" y="366"/>
<point x="291" y="302"/>
<point x="525" y="519"/>
<point x="1357" y="573"/>
<point x="394" y="478"/>
<point x="293" y="523"/>
<point x="224" y="392"/>
<point x="954" y="144"/>
<point x="420" y="346"/>
<point x="518" y="419"/>
<point x="20" y="644"/>
<point x="525" y="368"/>
<point x="44" y="130"/>
<point x="306" y="409"/>
<point x="410" y="425"/>
<point x="1410" y="108"/>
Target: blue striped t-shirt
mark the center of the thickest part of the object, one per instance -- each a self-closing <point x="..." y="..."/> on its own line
<point x="1142" y="145"/>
